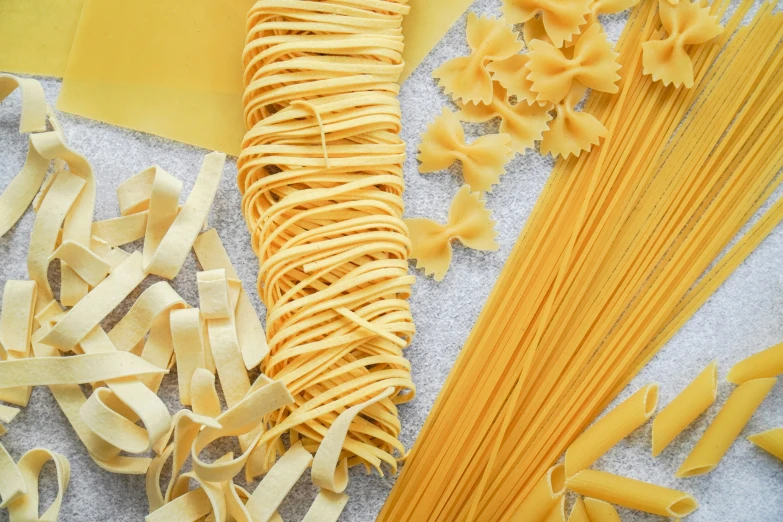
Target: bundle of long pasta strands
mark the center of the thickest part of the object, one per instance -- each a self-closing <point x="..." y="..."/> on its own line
<point x="321" y="178"/>
<point x="604" y="271"/>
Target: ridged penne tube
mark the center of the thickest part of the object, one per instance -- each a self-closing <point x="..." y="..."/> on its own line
<point x="543" y="497"/>
<point x="683" y="410"/>
<point x="600" y="511"/>
<point x="557" y="513"/>
<point x="631" y="493"/>
<point x="578" y="512"/>
<point x="770" y="441"/>
<point x="726" y="427"/>
<point x="611" y="429"/>
<point x="767" y="363"/>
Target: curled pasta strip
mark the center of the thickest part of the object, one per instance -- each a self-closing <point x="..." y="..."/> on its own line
<point x="467" y="77"/>
<point x="524" y="123"/>
<point x="469" y="222"/>
<point x="572" y="131"/>
<point x="561" y="18"/>
<point x="331" y="242"/>
<point x="685" y="23"/>
<point x="483" y="160"/>
<point x="24" y="506"/>
<point x="594" y="65"/>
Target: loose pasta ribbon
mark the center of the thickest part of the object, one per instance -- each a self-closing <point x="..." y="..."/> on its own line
<point x="572" y="131"/>
<point x="594" y="64"/>
<point x="483" y="160"/>
<point x="469" y="222"/>
<point x="685" y="23"/>
<point x="524" y="123"/>
<point x="561" y="18"/>
<point x="466" y="77"/>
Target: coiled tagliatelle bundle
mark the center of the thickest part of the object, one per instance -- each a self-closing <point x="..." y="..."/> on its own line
<point x="321" y="177"/>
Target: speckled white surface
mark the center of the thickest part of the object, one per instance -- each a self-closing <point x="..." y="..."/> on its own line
<point x="744" y="316"/>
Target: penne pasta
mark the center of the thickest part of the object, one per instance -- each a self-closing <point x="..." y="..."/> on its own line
<point x="685" y="408"/>
<point x="726" y="427"/>
<point x="631" y="493"/>
<point x="543" y="497"/>
<point x="770" y="441"/>
<point x="611" y="429"/>
<point x="600" y="511"/>
<point x="578" y="512"/>
<point x="767" y="363"/>
<point x="557" y="513"/>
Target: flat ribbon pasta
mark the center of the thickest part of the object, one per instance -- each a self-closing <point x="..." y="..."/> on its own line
<point x="685" y="23"/>
<point x="25" y="507"/>
<point x="594" y="64"/>
<point x="561" y="18"/>
<point x="572" y="131"/>
<point x="469" y="222"/>
<point x="483" y="160"/>
<point x="466" y="77"/>
<point x="523" y="122"/>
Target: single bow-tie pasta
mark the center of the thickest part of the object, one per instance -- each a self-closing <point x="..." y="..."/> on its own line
<point x="512" y="73"/>
<point x="469" y="222"/>
<point x="524" y="123"/>
<point x="466" y="77"/>
<point x="685" y="23"/>
<point x="594" y="64"/>
<point x="572" y="131"/>
<point x="483" y="160"/>
<point x="561" y="18"/>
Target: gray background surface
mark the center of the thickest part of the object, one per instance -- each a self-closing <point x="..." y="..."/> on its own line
<point x="745" y="315"/>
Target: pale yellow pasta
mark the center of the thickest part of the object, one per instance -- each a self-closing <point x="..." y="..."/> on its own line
<point x="685" y="408"/>
<point x="600" y="511"/>
<point x="543" y="497"/>
<point x="633" y="494"/>
<point x="767" y="363"/>
<point x="25" y="507"/>
<point x="16" y="324"/>
<point x="611" y="429"/>
<point x="770" y="441"/>
<point x="326" y="507"/>
<point x="726" y="427"/>
<point x="203" y="393"/>
<point x="572" y="131"/>
<point x="121" y="230"/>
<point x="512" y="73"/>
<point x="187" y="337"/>
<point x="561" y="18"/>
<point x="274" y="487"/>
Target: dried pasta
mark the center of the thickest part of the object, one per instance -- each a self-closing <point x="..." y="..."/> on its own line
<point x="770" y="441"/>
<point x="543" y="497"/>
<point x="572" y="131"/>
<point x="685" y="408"/>
<point x="726" y="427"/>
<point x="483" y="160"/>
<point x="598" y="510"/>
<point x="561" y="19"/>
<point x="579" y="511"/>
<point x="685" y="23"/>
<point x="767" y="363"/>
<point x="630" y="493"/>
<point x="469" y="222"/>
<point x="467" y="77"/>
<point x="512" y="73"/>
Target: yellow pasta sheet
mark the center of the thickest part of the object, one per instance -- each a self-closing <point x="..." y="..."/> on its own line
<point x="35" y="37"/>
<point x="171" y="68"/>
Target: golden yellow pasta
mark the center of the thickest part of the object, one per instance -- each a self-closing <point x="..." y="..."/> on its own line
<point x="469" y="222"/>
<point x="511" y="73"/>
<point x="572" y="131"/>
<point x="630" y="493"/>
<point x="770" y="441"/>
<point x="467" y="77"/>
<point x="578" y="511"/>
<point x="600" y="511"/>
<point x="561" y="19"/>
<point x="685" y="408"/>
<point x="543" y="497"/>
<point x="726" y="427"/>
<point x="767" y="363"/>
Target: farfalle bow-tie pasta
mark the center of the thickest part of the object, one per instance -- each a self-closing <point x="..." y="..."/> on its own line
<point x="469" y="222"/>
<point x="594" y="64"/>
<point x="483" y="160"/>
<point x="685" y="23"/>
<point x="572" y="131"/>
<point x="466" y="77"/>
<point x="561" y="18"/>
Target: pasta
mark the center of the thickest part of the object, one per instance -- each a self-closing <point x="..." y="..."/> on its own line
<point x="524" y="123"/>
<point x="725" y="428"/>
<point x="571" y="131"/>
<point x="631" y="493"/>
<point x="467" y="77"/>
<point x="469" y="222"/>
<point x="557" y="513"/>
<point x="686" y="23"/>
<point x="594" y="65"/>
<point x="578" y="511"/>
<point x="601" y="511"/>
<point x="511" y="74"/>
<point x="611" y="429"/>
<point x="561" y="19"/>
<point x="544" y="497"/>
<point x="770" y="441"/>
<point x="767" y="363"/>
<point x="685" y="408"/>
<point x="483" y="160"/>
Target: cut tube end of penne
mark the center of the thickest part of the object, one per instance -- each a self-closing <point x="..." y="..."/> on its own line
<point x="557" y="480"/>
<point x="694" y="471"/>
<point x="683" y="507"/>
